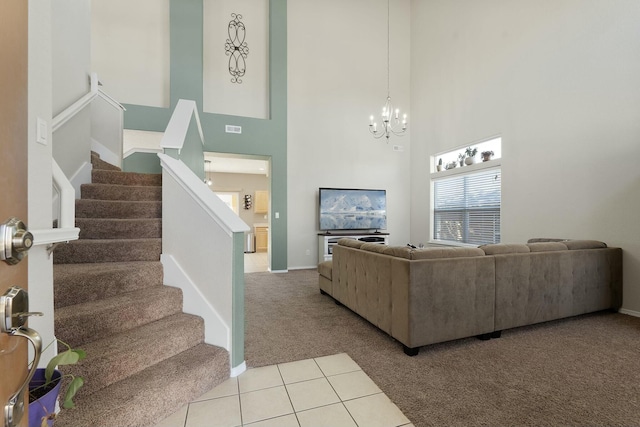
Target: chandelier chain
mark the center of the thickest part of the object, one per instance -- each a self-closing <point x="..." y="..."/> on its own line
<point x="390" y="117"/>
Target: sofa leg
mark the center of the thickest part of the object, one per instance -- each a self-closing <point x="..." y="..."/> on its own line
<point x="484" y="337"/>
<point x="496" y="334"/>
<point x="410" y="351"/>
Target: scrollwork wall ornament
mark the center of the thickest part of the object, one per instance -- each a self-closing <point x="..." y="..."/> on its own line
<point x="236" y="48"/>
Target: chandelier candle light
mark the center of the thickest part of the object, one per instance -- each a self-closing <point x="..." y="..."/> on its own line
<point x="390" y="118"/>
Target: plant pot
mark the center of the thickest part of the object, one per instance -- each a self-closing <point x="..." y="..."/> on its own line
<point x="45" y="405"/>
<point x="438" y="168"/>
<point x="486" y="157"/>
<point x="469" y="160"/>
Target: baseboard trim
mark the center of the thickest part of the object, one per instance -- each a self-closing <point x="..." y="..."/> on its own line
<point x="238" y="369"/>
<point x="105" y="153"/>
<point x="310" y="267"/>
<point x="216" y="331"/>
<point x="629" y="312"/>
<point x="278" y="271"/>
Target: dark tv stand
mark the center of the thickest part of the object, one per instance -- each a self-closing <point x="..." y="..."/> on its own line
<point x="327" y="240"/>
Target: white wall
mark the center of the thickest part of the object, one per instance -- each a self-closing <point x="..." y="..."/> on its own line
<point x="141" y="140"/>
<point x="39" y="169"/>
<point x="135" y="33"/>
<point x="70" y="41"/>
<point x="251" y="97"/>
<point x="71" y="29"/>
<point x="560" y="81"/>
<point x="337" y="73"/>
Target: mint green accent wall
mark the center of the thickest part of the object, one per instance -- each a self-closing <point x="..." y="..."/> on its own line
<point x="142" y="163"/>
<point x="173" y="152"/>
<point x="259" y="136"/>
<point x="237" y="301"/>
<point x="140" y="117"/>
<point x="186" y="50"/>
<point x="192" y="153"/>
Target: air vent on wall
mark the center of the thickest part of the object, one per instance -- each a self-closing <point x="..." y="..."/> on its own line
<point x="233" y="129"/>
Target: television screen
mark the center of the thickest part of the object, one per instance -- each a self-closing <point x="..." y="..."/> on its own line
<point x="352" y="209"/>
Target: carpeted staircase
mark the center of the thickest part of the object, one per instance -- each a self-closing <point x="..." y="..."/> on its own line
<point x="145" y="358"/>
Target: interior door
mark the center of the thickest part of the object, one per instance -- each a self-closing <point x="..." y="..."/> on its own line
<point x="13" y="176"/>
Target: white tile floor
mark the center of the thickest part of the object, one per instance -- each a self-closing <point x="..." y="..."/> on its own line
<point x="330" y="391"/>
<point x="256" y="262"/>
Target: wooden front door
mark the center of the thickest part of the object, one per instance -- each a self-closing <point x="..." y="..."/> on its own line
<point x="13" y="176"/>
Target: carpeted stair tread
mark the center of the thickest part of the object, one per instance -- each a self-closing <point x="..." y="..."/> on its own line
<point x="114" y="358"/>
<point x="98" y="163"/>
<point x="108" y="250"/>
<point x="148" y="397"/>
<point x="88" y="208"/>
<point x="101" y="176"/>
<point x="128" y="228"/>
<point x="121" y="192"/>
<point x="78" y="283"/>
<point x="145" y="358"/>
<point x="81" y="323"/>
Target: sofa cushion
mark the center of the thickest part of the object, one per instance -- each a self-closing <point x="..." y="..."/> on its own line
<point x="426" y="253"/>
<point x="545" y="239"/>
<point x="434" y="253"/>
<point x="352" y="243"/>
<point x="584" y="244"/>
<point x="504" y="248"/>
<point x="374" y="247"/>
<point x="547" y="246"/>
<point x="325" y="268"/>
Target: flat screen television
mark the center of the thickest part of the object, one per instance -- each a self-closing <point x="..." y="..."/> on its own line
<point x="352" y="209"/>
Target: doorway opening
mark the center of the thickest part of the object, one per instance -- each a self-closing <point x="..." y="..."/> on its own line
<point x="244" y="183"/>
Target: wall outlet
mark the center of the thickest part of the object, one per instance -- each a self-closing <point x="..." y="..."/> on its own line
<point x="308" y="252"/>
<point x="233" y="129"/>
<point x="398" y="148"/>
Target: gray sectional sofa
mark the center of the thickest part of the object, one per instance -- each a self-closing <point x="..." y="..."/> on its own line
<point x="431" y="295"/>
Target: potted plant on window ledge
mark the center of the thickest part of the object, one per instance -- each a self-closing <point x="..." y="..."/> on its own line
<point x="45" y="386"/>
<point x="470" y="155"/>
<point x="486" y="155"/>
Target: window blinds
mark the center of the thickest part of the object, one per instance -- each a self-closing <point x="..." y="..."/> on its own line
<point x="467" y="208"/>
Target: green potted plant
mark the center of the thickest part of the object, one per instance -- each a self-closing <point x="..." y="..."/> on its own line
<point x="46" y="383"/>
<point x="439" y="166"/>
<point x="486" y="155"/>
<point x="461" y="157"/>
<point x="471" y="155"/>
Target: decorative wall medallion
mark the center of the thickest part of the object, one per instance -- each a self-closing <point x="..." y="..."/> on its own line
<point x="236" y="48"/>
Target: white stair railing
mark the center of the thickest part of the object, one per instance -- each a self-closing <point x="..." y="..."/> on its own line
<point x="202" y="241"/>
<point x="66" y="230"/>
<point x="66" y="191"/>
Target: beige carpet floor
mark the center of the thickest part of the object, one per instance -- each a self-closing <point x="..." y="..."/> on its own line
<point x="583" y="371"/>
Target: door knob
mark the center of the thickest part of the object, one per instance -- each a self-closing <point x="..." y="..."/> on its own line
<point x="15" y="241"/>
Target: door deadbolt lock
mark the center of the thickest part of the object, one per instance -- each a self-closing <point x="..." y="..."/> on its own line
<point x="15" y="241"/>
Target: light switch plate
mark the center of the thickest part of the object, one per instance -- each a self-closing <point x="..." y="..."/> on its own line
<point x="41" y="131"/>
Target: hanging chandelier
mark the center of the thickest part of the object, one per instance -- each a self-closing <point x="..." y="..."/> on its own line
<point x="391" y="123"/>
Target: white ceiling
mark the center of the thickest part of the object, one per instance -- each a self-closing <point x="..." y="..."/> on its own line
<point x="226" y="164"/>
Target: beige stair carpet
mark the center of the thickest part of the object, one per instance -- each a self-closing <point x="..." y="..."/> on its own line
<point x="145" y="357"/>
